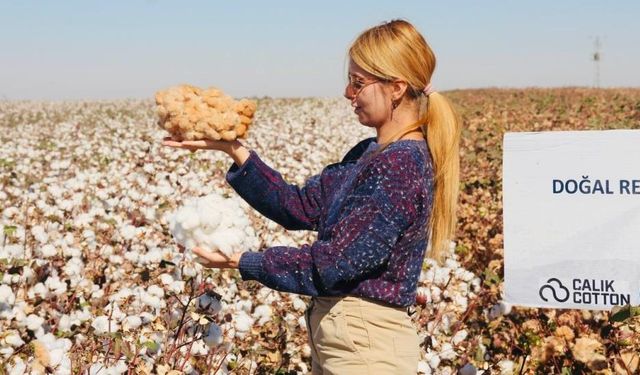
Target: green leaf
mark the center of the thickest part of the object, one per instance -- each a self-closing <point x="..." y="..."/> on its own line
<point x="622" y="313"/>
<point x="9" y="230"/>
<point x="479" y="355"/>
<point x="152" y="345"/>
<point x="490" y="277"/>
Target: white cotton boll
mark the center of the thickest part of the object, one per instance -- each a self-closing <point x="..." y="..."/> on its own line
<point x="98" y="369"/>
<point x="123" y="293"/>
<point x="209" y="303"/>
<point x="128" y="232"/>
<point x="463" y="274"/>
<point x="55" y="285"/>
<point x="176" y="286"/>
<point x="83" y="315"/>
<point x="423" y="368"/>
<point x="499" y="309"/>
<point x="90" y="235"/>
<point x="447" y="352"/>
<point x="505" y="308"/>
<point x="115" y="314"/>
<point x="166" y="279"/>
<point x="64" y="323"/>
<point x="102" y="324"/>
<point x="212" y="335"/>
<point x="189" y="271"/>
<point x="199" y="348"/>
<point x="244" y="305"/>
<point x="230" y="292"/>
<point x="155" y="290"/>
<point x="291" y="320"/>
<point x="506" y="366"/>
<point x="211" y="222"/>
<point x="242" y="323"/>
<point x="132" y="322"/>
<point x="6" y="351"/>
<point x="263" y="314"/>
<point x="120" y="368"/>
<point x="38" y="290"/>
<point x="153" y="256"/>
<point x="13" y="339"/>
<point x="39" y="233"/>
<point x="97" y="293"/>
<point x="150" y="212"/>
<point x="10" y="212"/>
<point x="47" y="251"/>
<point x="146" y="317"/>
<point x="433" y="359"/>
<point x="299" y="304"/>
<point x="151" y="300"/>
<point x="33" y="322"/>
<point x="306" y="351"/>
<point x="11" y="252"/>
<point x="302" y="323"/>
<point x="72" y="252"/>
<point x="73" y="267"/>
<point x="148" y="168"/>
<point x="441" y="276"/>
<point x="7" y="297"/>
<point x="459" y="337"/>
<point x="18" y="367"/>
<point x="268" y="296"/>
<point x="132" y="256"/>
<point x="436" y="294"/>
<point x="57" y="349"/>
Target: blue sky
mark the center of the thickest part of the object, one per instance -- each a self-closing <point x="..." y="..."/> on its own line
<point x="119" y="49"/>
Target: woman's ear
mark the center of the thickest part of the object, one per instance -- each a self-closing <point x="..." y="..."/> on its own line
<point x="398" y="88"/>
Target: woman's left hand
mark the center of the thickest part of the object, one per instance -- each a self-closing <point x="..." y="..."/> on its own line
<point x="216" y="259"/>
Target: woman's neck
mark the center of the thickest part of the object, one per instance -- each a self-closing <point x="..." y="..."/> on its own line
<point x="399" y="128"/>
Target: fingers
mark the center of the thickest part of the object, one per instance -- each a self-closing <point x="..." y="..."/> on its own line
<point x="171" y="143"/>
<point x="214" y="256"/>
<point x="189" y="145"/>
<point x="213" y="259"/>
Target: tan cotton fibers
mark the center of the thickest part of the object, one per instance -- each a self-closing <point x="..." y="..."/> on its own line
<point x="190" y="113"/>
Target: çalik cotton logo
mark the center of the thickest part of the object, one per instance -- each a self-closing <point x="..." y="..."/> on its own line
<point x="583" y="292"/>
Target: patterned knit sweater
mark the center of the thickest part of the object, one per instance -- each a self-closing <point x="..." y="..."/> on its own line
<point x="370" y="211"/>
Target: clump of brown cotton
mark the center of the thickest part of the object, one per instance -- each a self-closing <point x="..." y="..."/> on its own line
<point x="191" y="113"/>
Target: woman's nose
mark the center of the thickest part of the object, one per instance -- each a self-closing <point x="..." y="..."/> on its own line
<point x="350" y="93"/>
<point x="347" y="93"/>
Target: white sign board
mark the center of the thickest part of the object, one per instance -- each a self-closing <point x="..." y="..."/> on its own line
<point x="572" y="219"/>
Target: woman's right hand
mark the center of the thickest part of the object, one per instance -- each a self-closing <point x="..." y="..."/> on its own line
<point x="203" y="144"/>
<point x="234" y="148"/>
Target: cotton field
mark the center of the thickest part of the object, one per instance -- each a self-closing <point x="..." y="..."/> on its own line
<point x="92" y="280"/>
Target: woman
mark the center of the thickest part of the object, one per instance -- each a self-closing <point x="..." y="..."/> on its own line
<point x="374" y="212"/>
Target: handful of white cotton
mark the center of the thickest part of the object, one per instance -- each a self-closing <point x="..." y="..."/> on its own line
<point x="213" y="222"/>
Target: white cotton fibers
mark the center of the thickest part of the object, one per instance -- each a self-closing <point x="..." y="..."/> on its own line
<point x="213" y="222"/>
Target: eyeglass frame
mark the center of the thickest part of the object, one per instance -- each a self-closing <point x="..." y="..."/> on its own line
<point x="350" y="87"/>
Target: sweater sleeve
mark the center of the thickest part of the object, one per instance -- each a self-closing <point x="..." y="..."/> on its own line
<point x="374" y="215"/>
<point x="266" y="191"/>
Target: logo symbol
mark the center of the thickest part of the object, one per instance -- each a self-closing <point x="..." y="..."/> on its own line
<point x="560" y="292"/>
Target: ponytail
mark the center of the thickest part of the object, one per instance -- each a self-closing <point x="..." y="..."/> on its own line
<point x="442" y="125"/>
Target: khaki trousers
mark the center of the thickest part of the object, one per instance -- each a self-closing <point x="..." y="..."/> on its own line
<point x="352" y="335"/>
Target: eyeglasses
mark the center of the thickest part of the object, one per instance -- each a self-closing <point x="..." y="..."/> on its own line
<point x="357" y="84"/>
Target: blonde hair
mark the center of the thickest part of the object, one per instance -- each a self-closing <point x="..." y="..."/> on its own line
<point x="396" y="50"/>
